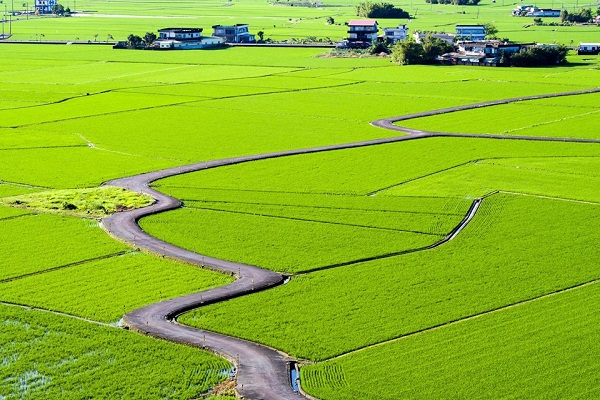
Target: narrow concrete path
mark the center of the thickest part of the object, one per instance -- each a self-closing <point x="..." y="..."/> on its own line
<point x="263" y="373"/>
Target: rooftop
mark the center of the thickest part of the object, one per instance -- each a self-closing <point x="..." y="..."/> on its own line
<point x="185" y="30"/>
<point x="362" y="22"/>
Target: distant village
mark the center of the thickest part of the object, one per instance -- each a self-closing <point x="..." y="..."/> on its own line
<point x="469" y="41"/>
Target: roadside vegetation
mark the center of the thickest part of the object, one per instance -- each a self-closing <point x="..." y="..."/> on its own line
<point x="91" y="203"/>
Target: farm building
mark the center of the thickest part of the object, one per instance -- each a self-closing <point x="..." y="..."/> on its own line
<point x="471" y="32"/>
<point x="532" y="11"/>
<point x="362" y="32"/>
<point x="238" y="33"/>
<point x="185" y="39"/>
<point x="588" y="48"/>
<point x="395" y="34"/>
<point x="44" y="6"/>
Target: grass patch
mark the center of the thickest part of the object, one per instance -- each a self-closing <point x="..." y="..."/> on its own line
<point x="92" y="203"/>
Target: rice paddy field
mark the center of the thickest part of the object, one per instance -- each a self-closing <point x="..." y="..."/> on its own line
<point x="371" y="311"/>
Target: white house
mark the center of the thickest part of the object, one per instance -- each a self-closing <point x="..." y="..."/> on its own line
<point x="471" y="32"/>
<point x="185" y="39"/>
<point x="396" y="34"/>
<point x="589" y="48"/>
<point x="44" y="6"/>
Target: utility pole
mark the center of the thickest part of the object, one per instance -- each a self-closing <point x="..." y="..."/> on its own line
<point x="3" y="19"/>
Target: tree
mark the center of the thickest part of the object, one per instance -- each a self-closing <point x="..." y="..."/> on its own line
<point x="261" y="35"/>
<point x="134" y="41"/>
<point x="149" y="38"/>
<point x="58" y="9"/>
<point x="433" y="47"/>
<point x="329" y="20"/>
<point x="407" y="52"/>
<point x="581" y="16"/>
<point x="380" y="10"/>
<point x="490" y="31"/>
<point x="540" y="55"/>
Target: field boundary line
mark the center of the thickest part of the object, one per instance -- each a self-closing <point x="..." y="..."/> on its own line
<point x="469" y="318"/>
<point x="30" y="214"/>
<point x="73" y="264"/>
<point x="375" y="192"/>
<point x="551" y="197"/>
<point x="327" y="207"/>
<point x="311" y="220"/>
<point x="62" y="314"/>
<point x="448" y="237"/>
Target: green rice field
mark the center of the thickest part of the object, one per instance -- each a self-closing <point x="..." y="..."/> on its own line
<point x="368" y="312"/>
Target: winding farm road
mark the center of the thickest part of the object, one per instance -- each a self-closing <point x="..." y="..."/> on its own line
<point x="262" y="372"/>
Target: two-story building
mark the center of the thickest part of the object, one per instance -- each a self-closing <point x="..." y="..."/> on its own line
<point x="184" y="39"/>
<point x="395" y="34"/>
<point x="44" y="6"/>
<point x="238" y="33"/>
<point x="470" y="32"/>
<point x="362" y="32"/>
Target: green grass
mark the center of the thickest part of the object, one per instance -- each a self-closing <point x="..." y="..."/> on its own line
<point x="496" y="261"/>
<point x="93" y="202"/>
<point x="151" y="110"/>
<point x="278" y="243"/>
<point x="573" y="117"/>
<point x="41" y="242"/>
<point x="547" y="348"/>
<point x="362" y="171"/>
<point x="569" y="177"/>
<point x="9" y="212"/>
<point x="106" y="289"/>
<point x="50" y="356"/>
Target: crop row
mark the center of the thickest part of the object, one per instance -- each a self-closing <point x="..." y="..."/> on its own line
<point x="546" y="348"/>
<point x="497" y="260"/>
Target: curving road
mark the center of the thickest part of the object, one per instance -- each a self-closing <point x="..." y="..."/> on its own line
<point x="263" y="373"/>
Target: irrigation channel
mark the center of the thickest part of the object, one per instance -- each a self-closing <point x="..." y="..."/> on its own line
<point x="262" y="372"/>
